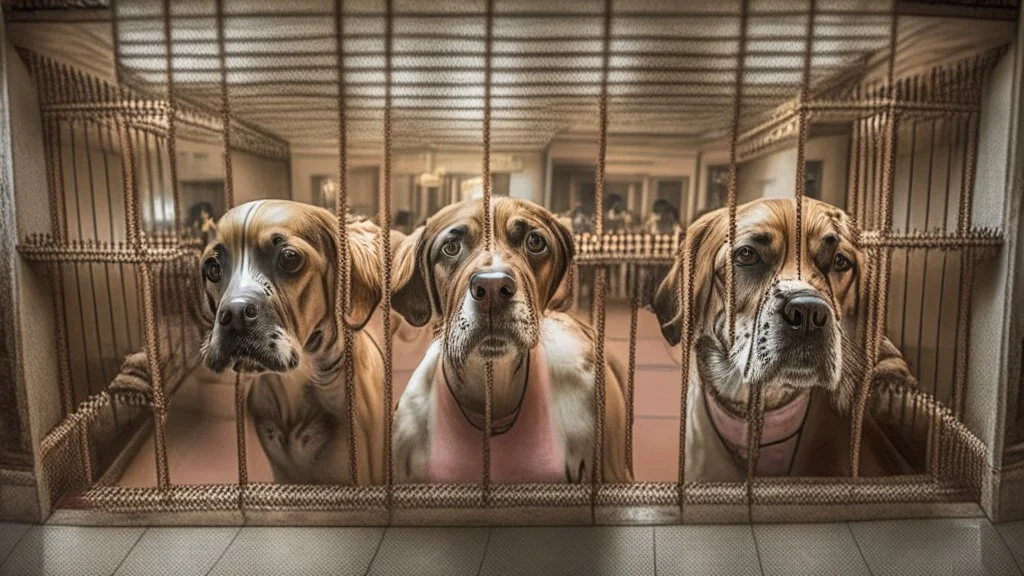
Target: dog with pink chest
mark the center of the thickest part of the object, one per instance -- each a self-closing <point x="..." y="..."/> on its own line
<point x="796" y="336"/>
<point x="497" y="308"/>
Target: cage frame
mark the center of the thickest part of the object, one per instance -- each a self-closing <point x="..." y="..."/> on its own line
<point x="953" y="489"/>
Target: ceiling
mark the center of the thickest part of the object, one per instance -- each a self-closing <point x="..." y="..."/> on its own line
<point x="671" y="67"/>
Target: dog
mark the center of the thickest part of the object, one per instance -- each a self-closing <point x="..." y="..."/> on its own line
<point x="796" y="336"/>
<point x="269" y="279"/>
<point x="500" y="308"/>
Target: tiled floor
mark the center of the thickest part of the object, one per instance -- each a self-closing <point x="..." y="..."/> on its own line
<point x="906" y="548"/>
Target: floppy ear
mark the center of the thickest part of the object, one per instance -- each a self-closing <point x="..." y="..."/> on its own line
<point x="411" y="294"/>
<point x="365" y="286"/>
<point x="564" y="251"/>
<point x="698" y="250"/>
<point x="561" y="287"/>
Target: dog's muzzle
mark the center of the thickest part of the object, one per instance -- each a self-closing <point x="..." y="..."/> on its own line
<point x="246" y="337"/>
<point x="797" y="336"/>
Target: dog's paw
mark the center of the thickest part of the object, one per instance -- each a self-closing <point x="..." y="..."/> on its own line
<point x="133" y="386"/>
<point x="891" y="371"/>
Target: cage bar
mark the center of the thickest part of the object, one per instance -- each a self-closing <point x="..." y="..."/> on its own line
<point x="73" y="104"/>
<point x="342" y="303"/>
<point x="384" y="215"/>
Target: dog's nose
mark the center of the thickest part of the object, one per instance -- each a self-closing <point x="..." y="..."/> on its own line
<point x="238" y="314"/>
<point x="491" y="288"/>
<point x="806" y="314"/>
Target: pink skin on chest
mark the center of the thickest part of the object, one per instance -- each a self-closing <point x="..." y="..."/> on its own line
<point x="530" y="451"/>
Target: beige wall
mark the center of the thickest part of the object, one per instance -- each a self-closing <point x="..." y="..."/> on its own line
<point x="257" y="178"/>
<point x="773" y="175"/>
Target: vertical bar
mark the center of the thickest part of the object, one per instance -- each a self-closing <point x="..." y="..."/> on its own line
<point x="489" y="245"/>
<point x="172" y="146"/>
<point x="342" y="300"/>
<point x="878" y="304"/>
<point x="688" y="257"/>
<point x="55" y="188"/>
<point x="631" y="371"/>
<point x="906" y="230"/>
<point x="110" y="221"/>
<point x="110" y="209"/>
<point x="963" y="326"/>
<point x="924" y="273"/>
<point x="145" y="280"/>
<point x="853" y="170"/>
<point x="737" y="101"/>
<point x="384" y="216"/>
<point x="243" y="466"/>
<point x="116" y="36"/>
<point x="225" y="110"/>
<point x="601" y="271"/>
<point x="92" y="271"/>
<point x="803" y="128"/>
<point x="75" y="266"/>
<point x="953" y="131"/>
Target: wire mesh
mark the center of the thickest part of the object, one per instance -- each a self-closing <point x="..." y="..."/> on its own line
<point x="249" y="76"/>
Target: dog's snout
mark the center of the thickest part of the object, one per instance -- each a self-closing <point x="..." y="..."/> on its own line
<point x="491" y="288"/>
<point x="806" y="314"/>
<point x="238" y="315"/>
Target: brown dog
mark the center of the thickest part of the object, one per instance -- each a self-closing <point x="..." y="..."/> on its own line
<point x="497" y="307"/>
<point x="269" y="277"/>
<point x="796" y="335"/>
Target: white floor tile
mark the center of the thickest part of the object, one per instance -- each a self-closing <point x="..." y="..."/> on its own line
<point x="811" y="549"/>
<point x="70" y="551"/>
<point x="299" y="552"/>
<point x="933" y="548"/>
<point x="177" y="551"/>
<point x="10" y="534"/>
<point x="706" y="550"/>
<point x="566" y="551"/>
<point x="425" y="551"/>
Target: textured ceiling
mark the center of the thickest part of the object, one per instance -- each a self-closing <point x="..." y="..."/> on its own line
<point x="671" y="67"/>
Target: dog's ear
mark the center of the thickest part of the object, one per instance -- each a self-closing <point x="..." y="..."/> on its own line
<point x="564" y="251"/>
<point x="365" y="283"/>
<point x="561" y="299"/>
<point x="699" y="250"/>
<point x="365" y="286"/>
<point x="410" y="296"/>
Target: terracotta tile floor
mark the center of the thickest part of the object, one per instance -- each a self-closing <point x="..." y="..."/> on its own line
<point x="201" y="428"/>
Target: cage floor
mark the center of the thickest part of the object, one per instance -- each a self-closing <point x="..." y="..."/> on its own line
<point x="201" y="443"/>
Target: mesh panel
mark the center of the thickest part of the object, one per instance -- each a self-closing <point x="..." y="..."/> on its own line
<point x="270" y="79"/>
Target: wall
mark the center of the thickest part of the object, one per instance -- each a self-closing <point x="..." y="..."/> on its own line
<point x="33" y="304"/>
<point x="255" y="177"/>
<point x="991" y="345"/>
<point x="773" y="175"/>
<point x="527" y="183"/>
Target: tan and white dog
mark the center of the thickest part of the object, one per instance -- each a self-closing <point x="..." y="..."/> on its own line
<point x="499" y="307"/>
<point x="795" y="335"/>
<point x="269" y="277"/>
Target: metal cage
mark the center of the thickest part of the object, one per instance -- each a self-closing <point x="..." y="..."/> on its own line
<point x="116" y="255"/>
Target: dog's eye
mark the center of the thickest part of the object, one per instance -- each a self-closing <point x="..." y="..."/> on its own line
<point x="536" y="243"/>
<point x="452" y="248"/>
<point x="746" y="256"/>
<point x="211" y="270"/>
<point x="841" y="263"/>
<point x="289" y="260"/>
